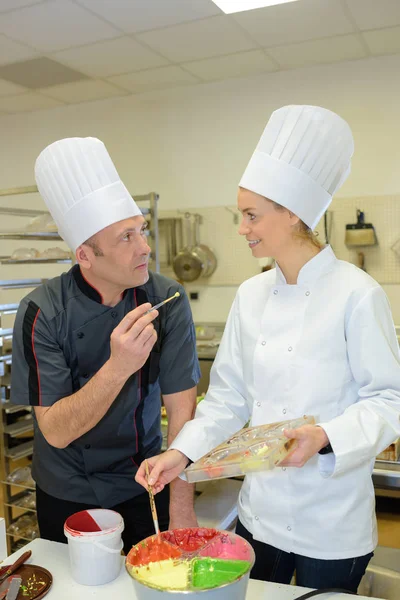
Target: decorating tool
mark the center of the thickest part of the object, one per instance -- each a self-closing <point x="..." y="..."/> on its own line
<point x="152" y="501"/>
<point x="360" y="233"/>
<point x="12" y="568"/>
<point x="176" y="295"/>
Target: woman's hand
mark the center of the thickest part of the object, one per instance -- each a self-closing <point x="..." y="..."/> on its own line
<point x="310" y="439"/>
<point x="163" y="469"/>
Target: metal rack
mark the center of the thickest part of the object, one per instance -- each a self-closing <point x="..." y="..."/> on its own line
<point x="16" y="422"/>
<point x="150" y="211"/>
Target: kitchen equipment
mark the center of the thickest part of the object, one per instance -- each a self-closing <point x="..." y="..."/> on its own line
<point x="191" y="563"/>
<point x="94" y="544"/>
<point x="176" y="295"/>
<point x="152" y="502"/>
<point x="10" y="587"/>
<point x="361" y="261"/>
<point x="12" y="568"/>
<point x="360" y="233"/>
<point x="194" y="260"/>
<point x="36" y="582"/>
<point x="250" y="450"/>
<point x="202" y="250"/>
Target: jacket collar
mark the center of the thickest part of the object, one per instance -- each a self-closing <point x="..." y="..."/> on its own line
<point x="313" y="269"/>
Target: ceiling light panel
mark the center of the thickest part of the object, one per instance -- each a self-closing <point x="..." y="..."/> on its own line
<point x="234" y="6"/>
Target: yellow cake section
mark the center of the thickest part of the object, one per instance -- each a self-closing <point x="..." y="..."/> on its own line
<point x="166" y="574"/>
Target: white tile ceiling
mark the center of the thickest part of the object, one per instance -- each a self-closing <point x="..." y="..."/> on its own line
<point x="133" y="16"/>
<point x="54" y="25"/>
<point x="111" y="57"/>
<point x="234" y="65"/>
<point x="6" y="5"/>
<point x="11" y="51"/>
<point x="383" y="41"/>
<point x="154" y="79"/>
<point x="375" y="14"/>
<point x="7" y="88"/>
<point x="295" y="22"/>
<point x="84" y="91"/>
<point x="133" y="46"/>
<point x="26" y="102"/>
<point x="327" y="50"/>
<point x="197" y="40"/>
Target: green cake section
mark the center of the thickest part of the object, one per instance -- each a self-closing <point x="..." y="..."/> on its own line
<point x="214" y="572"/>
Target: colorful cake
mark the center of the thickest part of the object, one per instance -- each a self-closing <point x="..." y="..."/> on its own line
<point x="190" y="559"/>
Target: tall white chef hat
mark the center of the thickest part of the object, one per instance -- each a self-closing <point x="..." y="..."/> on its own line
<point x="301" y="160"/>
<point x="82" y="189"/>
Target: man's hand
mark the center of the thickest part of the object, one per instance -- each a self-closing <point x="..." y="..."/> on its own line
<point x="163" y="469"/>
<point x="310" y="439"/>
<point x="132" y="341"/>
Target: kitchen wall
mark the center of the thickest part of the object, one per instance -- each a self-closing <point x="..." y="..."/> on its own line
<point x="191" y="145"/>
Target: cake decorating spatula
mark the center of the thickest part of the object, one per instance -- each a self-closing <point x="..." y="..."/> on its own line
<point x="20" y="561"/>
<point x="152" y="501"/>
<point x="176" y="295"/>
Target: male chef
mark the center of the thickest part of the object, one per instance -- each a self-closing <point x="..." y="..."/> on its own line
<point x="93" y="362"/>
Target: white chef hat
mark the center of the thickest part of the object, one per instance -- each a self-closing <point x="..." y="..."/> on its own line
<point x="301" y="160"/>
<point x="82" y="189"/>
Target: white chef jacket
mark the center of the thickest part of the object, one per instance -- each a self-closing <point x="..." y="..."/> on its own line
<point x="325" y="347"/>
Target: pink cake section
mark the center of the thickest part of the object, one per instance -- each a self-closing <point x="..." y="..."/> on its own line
<point x="228" y="547"/>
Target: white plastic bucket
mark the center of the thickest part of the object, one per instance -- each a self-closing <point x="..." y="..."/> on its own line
<point x="95" y="544"/>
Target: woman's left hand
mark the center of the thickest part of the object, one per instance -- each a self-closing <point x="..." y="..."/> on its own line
<point x="310" y="439"/>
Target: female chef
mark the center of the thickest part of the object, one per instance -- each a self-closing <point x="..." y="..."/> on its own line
<point x="314" y="336"/>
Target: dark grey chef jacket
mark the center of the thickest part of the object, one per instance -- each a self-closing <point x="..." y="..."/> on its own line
<point x="61" y="339"/>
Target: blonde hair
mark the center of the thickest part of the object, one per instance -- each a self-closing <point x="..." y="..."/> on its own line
<point x="302" y="231"/>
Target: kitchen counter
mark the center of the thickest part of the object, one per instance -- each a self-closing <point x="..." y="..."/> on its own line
<point x="54" y="557"/>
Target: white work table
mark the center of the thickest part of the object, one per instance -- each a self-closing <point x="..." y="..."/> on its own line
<point x="54" y="557"/>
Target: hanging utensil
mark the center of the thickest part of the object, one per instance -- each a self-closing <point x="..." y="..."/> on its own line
<point x="186" y="264"/>
<point x="205" y="253"/>
<point x="195" y="260"/>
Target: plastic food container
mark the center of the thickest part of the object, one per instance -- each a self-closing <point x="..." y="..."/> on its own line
<point x="250" y="450"/>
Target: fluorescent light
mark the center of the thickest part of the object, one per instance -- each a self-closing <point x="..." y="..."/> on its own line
<point x="234" y="6"/>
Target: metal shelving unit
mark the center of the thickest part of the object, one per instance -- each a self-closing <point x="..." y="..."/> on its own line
<point x="16" y="421"/>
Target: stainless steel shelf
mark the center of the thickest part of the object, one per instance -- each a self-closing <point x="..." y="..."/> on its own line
<point x="6" y="332"/>
<point x="29" y="235"/>
<point x="386" y="475"/>
<point x="8" y="309"/>
<point x="6" y="358"/>
<point x="13" y="284"/>
<point x="10" y="408"/>
<point x="19" y="427"/>
<point x="36" y="261"/>
<point x="25" y="449"/>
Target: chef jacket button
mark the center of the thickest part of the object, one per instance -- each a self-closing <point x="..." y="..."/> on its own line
<point x="289" y="528"/>
<point x="114" y="314"/>
<point x="257" y="518"/>
<point x="284" y="411"/>
<point x="87" y="446"/>
<point x="283" y="468"/>
<point x="275" y="292"/>
<point x="263" y="343"/>
<point x="258" y="403"/>
<point x="307" y="293"/>
<point x="81" y="335"/>
<point x="290" y="349"/>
